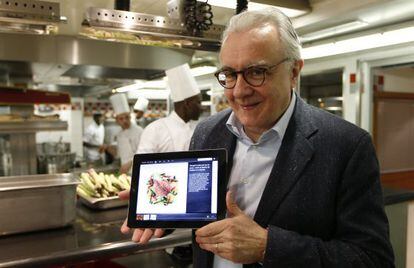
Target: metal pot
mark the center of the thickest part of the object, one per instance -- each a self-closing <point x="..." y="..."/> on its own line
<point x="53" y="148"/>
<point x="55" y="163"/>
<point x="5" y="164"/>
<point x="5" y="157"/>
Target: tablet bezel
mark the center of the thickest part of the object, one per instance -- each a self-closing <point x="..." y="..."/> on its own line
<point x="220" y="154"/>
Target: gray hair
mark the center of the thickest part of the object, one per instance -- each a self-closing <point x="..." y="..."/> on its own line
<point x="251" y="19"/>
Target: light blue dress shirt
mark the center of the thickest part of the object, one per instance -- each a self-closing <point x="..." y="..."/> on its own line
<point x="252" y="164"/>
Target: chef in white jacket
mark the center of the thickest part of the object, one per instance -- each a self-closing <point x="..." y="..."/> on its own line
<point x="173" y="133"/>
<point x="93" y="140"/>
<point x="129" y="137"/>
<point x="140" y="108"/>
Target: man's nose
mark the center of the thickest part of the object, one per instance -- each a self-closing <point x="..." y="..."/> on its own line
<point x="242" y="88"/>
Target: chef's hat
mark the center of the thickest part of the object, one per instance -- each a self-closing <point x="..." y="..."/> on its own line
<point x="182" y="84"/>
<point x="141" y="104"/>
<point x="120" y="103"/>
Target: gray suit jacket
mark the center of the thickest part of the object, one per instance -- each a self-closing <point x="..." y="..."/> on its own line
<point x="322" y="203"/>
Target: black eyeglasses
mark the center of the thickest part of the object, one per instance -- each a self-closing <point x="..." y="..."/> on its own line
<point x="253" y="75"/>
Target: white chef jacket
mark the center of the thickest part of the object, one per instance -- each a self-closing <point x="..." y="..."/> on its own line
<point x="128" y="141"/>
<point x="167" y="134"/>
<point x="94" y="134"/>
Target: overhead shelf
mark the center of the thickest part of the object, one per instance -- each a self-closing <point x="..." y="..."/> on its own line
<point x="26" y="126"/>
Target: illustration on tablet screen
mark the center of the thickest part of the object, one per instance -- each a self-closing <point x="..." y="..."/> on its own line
<point x="162" y="189"/>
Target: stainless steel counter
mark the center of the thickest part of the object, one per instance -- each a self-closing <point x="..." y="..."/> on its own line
<point x="94" y="235"/>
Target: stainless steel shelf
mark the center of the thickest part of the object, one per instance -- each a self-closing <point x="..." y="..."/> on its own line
<point x="32" y="126"/>
<point x="147" y="29"/>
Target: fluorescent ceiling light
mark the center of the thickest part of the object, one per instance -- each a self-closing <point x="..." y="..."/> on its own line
<point x="127" y="88"/>
<point x="202" y="70"/>
<point x="331" y="31"/>
<point x="162" y="84"/>
<point x="256" y="6"/>
<point x="400" y="36"/>
<point x="154" y="94"/>
<point x="157" y="84"/>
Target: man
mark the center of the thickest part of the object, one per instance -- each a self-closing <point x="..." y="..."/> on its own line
<point x="140" y="108"/>
<point x="128" y="138"/>
<point x="304" y="187"/>
<point x="93" y="140"/>
<point x="173" y="133"/>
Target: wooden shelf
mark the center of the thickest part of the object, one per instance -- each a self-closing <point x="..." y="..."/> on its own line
<point x="401" y="179"/>
<point x="378" y="95"/>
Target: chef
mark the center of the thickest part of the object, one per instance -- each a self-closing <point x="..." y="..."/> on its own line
<point x="93" y="141"/>
<point x="128" y="138"/>
<point x="173" y="133"/>
<point x="140" y="108"/>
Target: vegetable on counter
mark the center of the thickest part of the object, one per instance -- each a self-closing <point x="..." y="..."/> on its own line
<point x="102" y="185"/>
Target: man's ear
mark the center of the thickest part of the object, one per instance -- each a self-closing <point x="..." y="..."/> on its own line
<point x="295" y="72"/>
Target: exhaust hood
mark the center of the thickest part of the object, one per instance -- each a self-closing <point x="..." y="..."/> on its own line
<point x="147" y="29"/>
<point x="39" y="59"/>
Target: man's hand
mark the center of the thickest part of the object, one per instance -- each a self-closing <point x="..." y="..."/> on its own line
<point x="141" y="235"/>
<point x="238" y="238"/>
<point x="102" y="148"/>
<point x="125" y="168"/>
<point x="110" y="149"/>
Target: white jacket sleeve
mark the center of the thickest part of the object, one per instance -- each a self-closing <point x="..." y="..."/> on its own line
<point x="88" y="135"/>
<point x="149" y="141"/>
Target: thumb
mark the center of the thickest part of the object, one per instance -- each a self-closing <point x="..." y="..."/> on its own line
<point x="124" y="195"/>
<point x="232" y="208"/>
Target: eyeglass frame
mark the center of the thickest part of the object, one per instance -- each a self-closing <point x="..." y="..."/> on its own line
<point x="242" y="72"/>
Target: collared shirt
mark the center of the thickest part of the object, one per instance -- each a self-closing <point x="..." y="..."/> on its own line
<point x="94" y="134"/>
<point x="167" y="134"/>
<point x="248" y="178"/>
<point x="128" y="141"/>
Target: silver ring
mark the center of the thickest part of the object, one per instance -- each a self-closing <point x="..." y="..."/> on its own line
<point x="217" y="246"/>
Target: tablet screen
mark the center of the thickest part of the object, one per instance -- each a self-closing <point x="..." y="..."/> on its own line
<point x="176" y="187"/>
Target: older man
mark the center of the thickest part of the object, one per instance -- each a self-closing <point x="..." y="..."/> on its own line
<point x="304" y="187"/>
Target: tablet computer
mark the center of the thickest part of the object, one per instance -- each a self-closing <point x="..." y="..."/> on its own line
<point x="178" y="189"/>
